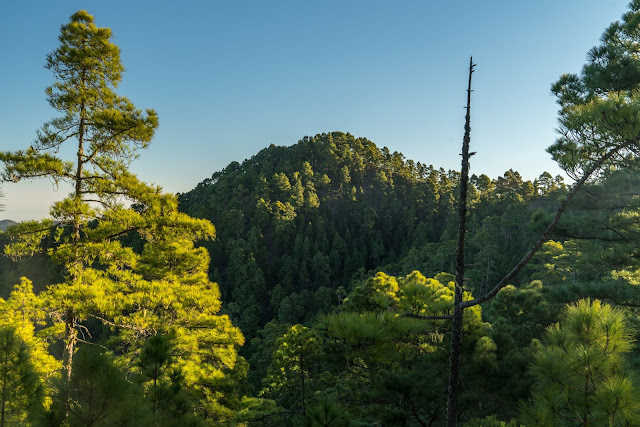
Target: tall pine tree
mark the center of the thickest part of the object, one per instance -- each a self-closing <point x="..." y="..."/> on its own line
<point x="162" y="285"/>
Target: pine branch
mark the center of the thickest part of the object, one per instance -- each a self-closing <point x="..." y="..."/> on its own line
<point x="547" y="233"/>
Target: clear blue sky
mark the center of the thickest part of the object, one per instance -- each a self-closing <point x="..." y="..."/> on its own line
<point x="229" y="78"/>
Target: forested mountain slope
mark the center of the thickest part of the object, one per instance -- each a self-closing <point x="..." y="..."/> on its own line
<point x="296" y="224"/>
<point x="322" y="249"/>
<point x="303" y="230"/>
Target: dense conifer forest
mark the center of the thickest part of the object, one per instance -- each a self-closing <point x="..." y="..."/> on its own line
<point x="314" y="284"/>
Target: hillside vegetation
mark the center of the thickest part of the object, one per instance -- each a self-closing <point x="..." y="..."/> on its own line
<point x="315" y="284"/>
<point x="296" y="224"/>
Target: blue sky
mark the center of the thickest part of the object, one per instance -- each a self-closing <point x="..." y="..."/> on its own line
<point x="229" y="78"/>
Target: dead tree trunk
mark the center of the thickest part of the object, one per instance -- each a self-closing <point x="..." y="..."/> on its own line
<point x="456" y="325"/>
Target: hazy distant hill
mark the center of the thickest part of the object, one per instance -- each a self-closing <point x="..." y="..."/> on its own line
<point x="6" y="223"/>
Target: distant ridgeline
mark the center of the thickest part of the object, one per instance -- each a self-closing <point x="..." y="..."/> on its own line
<point x="296" y="226"/>
<point x="6" y="223"/>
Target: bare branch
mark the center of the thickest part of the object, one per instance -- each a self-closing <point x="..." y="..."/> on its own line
<point x="417" y="316"/>
<point x="547" y="233"/>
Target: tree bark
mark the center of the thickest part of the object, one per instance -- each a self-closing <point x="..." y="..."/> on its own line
<point x="456" y="325"/>
<point x="70" y="320"/>
<point x="5" y="374"/>
<point x="67" y="357"/>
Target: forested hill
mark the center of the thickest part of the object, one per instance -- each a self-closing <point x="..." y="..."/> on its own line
<point x="296" y="224"/>
<point x="327" y="249"/>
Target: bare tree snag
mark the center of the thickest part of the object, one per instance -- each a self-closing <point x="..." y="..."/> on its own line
<point x="456" y="325"/>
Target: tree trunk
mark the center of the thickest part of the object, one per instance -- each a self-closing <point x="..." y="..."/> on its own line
<point x="67" y="357"/>
<point x="69" y="327"/>
<point x="456" y="325"/>
<point x="5" y="374"/>
<point x="304" y="403"/>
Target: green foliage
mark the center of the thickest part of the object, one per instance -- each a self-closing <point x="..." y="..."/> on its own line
<point x="39" y="268"/>
<point x="580" y="373"/>
<point x="163" y="383"/>
<point x="296" y="355"/>
<point x="368" y="363"/>
<point x="310" y="216"/>
<point x="21" y="388"/>
<point x="100" y="395"/>
<point x="518" y="316"/>
<point x="327" y="413"/>
<point x="22" y="313"/>
<point x="599" y="106"/>
<point x="277" y="256"/>
<point x="262" y="349"/>
<point x="107" y="130"/>
<point x="489" y="421"/>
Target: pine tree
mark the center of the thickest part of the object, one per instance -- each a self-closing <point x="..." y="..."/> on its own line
<point x="293" y="361"/>
<point x="162" y="285"/>
<point x="163" y="383"/>
<point x="100" y="395"/>
<point x="106" y="129"/>
<point x="580" y="373"/>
